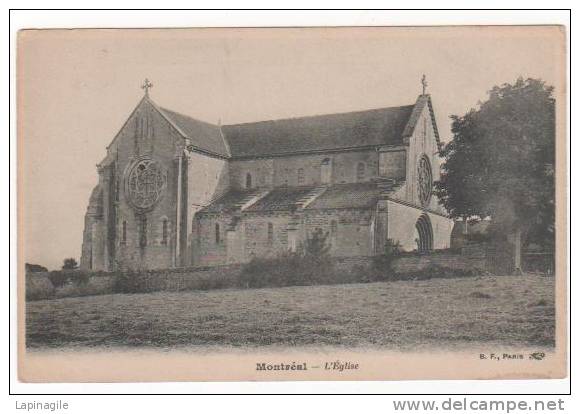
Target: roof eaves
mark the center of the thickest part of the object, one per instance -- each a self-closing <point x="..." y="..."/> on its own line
<point x="417" y="108"/>
<point x="422" y="100"/>
<point x="188" y="139"/>
<point x="127" y="120"/>
<point x="303" y="152"/>
<point x="434" y="122"/>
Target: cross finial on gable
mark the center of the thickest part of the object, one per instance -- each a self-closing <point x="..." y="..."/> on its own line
<point x="424" y="83"/>
<point x="146" y="86"/>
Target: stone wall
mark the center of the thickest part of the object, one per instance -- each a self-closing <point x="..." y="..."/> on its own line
<point x="422" y="142"/>
<point x="295" y="170"/>
<point x="350" y="233"/>
<point x="409" y="263"/>
<point x="39" y="286"/>
<point x="148" y="134"/>
<point x="401" y="226"/>
<point x="257" y="239"/>
<point x="158" y="139"/>
<point x="413" y="262"/>
<point x="209" y="249"/>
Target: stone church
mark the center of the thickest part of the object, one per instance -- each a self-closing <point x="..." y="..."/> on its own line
<point x="174" y="191"/>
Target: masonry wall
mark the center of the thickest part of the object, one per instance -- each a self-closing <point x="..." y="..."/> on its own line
<point x="257" y="241"/>
<point x="350" y="233"/>
<point x="442" y="227"/>
<point x="393" y="163"/>
<point x="347" y="269"/>
<point x="207" y="179"/>
<point x="207" y="250"/>
<point x="423" y="141"/>
<point x="92" y="235"/>
<point x="415" y="263"/>
<point x="401" y="226"/>
<point x="261" y="171"/>
<point x="146" y="133"/>
<point x="248" y="237"/>
<point x="279" y="171"/>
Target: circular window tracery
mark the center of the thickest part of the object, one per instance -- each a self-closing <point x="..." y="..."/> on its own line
<point x="424" y="180"/>
<point x="146" y="182"/>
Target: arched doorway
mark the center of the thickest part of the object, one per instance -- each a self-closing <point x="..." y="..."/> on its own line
<point x="425" y="234"/>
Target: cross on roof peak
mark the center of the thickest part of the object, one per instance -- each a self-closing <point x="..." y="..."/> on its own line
<point x="424" y="83"/>
<point x="146" y="86"/>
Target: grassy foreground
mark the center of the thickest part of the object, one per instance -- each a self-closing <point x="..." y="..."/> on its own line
<point x="441" y="313"/>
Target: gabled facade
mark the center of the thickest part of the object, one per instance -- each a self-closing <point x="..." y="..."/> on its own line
<point x="174" y="191"/>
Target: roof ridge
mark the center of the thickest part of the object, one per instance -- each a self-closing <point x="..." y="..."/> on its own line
<point x="320" y="115"/>
<point x="226" y="142"/>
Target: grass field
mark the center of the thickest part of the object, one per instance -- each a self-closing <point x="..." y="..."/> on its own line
<point x="405" y="315"/>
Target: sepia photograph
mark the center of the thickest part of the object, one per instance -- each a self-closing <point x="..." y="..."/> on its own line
<point x="348" y="203"/>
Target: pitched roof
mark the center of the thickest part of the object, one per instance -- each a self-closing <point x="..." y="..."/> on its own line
<point x="318" y="133"/>
<point x="229" y="201"/>
<point x="202" y="135"/>
<point x="282" y="199"/>
<point x="352" y="195"/>
<point x="369" y="128"/>
<point x="337" y="196"/>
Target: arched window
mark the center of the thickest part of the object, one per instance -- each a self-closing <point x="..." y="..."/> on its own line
<point x="270" y="232"/>
<point x="300" y="176"/>
<point x="361" y="171"/>
<point x="164" y="231"/>
<point x="124" y="232"/>
<point x="248" y="180"/>
<point x="117" y="190"/>
<point x="217" y="234"/>
<point x="326" y="171"/>
<point x="424" y="180"/>
<point x="143" y="232"/>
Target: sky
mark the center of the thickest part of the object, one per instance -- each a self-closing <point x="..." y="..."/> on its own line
<point x="76" y="88"/>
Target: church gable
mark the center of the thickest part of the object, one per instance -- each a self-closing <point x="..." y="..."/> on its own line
<point x="423" y="161"/>
<point x="422" y="109"/>
<point x="143" y="180"/>
<point x="146" y="131"/>
<point x="174" y="190"/>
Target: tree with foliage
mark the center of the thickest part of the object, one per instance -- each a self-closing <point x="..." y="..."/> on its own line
<point x="32" y="268"/>
<point x="501" y="162"/>
<point x="70" y="264"/>
<point x="317" y="245"/>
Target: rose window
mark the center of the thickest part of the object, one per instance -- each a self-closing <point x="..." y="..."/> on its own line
<point x="146" y="182"/>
